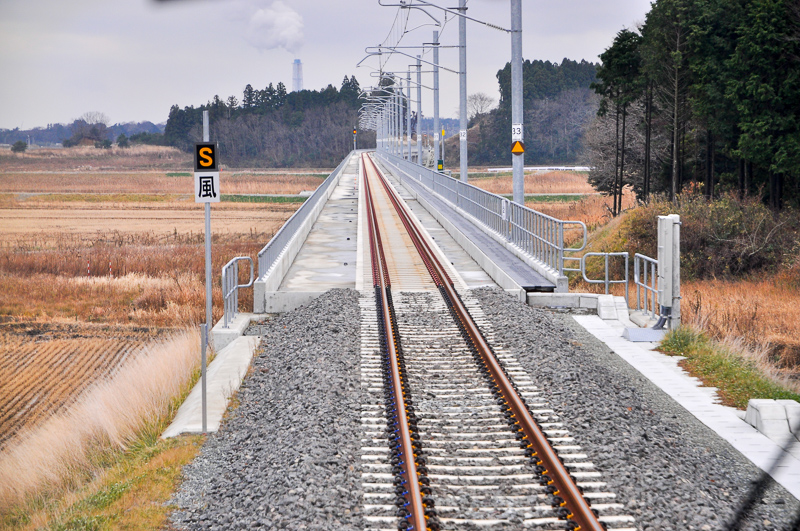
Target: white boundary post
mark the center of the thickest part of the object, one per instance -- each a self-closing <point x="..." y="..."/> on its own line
<point x="669" y="268"/>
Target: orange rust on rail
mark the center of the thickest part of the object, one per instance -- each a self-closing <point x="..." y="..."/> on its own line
<point x="381" y="281"/>
<point x="580" y="511"/>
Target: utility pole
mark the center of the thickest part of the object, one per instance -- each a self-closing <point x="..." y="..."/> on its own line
<point x="393" y="117"/>
<point x="517" y="133"/>
<point x="400" y="121"/>
<point x="209" y="318"/>
<point x="436" y="129"/>
<point x="462" y="83"/>
<point x="419" y="110"/>
<point x="408" y="111"/>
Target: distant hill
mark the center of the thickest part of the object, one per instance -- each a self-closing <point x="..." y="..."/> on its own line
<point x="558" y="105"/>
<point x="54" y="134"/>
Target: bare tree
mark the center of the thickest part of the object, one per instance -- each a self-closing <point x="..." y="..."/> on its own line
<point x="479" y="103"/>
<point x="95" y="118"/>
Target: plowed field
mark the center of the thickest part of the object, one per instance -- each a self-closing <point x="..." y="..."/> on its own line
<point x="44" y="368"/>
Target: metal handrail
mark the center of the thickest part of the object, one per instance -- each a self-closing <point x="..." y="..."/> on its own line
<point x="645" y="283"/>
<point x="605" y="281"/>
<point x="535" y="234"/>
<point x="230" y="287"/>
<point x="273" y="249"/>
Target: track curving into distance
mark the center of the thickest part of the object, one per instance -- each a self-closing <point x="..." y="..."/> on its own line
<point x="470" y="443"/>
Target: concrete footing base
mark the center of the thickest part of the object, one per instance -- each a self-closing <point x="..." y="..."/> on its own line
<point x="643" y="335"/>
<point x="286" y="301"/>
<point x="777" y="419"/>
<point x="224" y="375"/>
<point x="221" y="337"/>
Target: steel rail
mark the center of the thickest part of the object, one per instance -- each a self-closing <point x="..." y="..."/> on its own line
<point x="381" y="282"/>
<point x="554" y="475"/>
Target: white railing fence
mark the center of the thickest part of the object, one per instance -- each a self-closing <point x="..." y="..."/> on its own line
<point x="537" y="235"/>
<point x="231" y="286"/>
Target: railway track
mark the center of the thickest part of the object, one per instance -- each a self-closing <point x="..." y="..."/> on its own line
<point x="486" y="451"/>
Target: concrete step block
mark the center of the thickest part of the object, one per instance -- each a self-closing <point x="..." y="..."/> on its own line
<point x="771" y="417"/>
<point x="221" y="337"/>
<point x="606" y="308"/>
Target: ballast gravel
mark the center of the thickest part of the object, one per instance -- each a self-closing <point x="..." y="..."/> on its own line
<point x="287" y="456"/>
<point x="670" y="471"/>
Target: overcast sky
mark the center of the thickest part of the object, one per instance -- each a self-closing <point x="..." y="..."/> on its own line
<point x="134" y="59"/>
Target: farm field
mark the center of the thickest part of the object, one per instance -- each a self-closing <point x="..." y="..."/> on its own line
<point x="95" y="265"/>
<point x="154" y="182"/>
<point x="45" y="366"/>
<point x="551" y="182"/>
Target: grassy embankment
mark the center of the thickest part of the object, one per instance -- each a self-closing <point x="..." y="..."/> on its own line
<point x="740" y="282"/>
<point x="740" y="278"/>
<point x="99" y="464"/>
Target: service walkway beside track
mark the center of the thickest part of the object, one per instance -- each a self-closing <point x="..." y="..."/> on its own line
<point x="332" y="255"/>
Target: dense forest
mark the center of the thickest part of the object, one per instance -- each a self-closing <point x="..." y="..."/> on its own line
<point x="704" y="94"/>
<point x="271" y="127"/>
<point x="558" y="106"/>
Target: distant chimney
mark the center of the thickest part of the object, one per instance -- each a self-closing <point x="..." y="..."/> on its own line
<point x="297" y="76"/>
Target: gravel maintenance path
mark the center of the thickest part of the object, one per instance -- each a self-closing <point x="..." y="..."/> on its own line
<point x="277" y="463"/>
<point x="671" y="471"/>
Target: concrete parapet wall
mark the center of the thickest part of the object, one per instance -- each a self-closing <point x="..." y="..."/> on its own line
<point x="561" y="282"/>
<point x="274" y="277"/>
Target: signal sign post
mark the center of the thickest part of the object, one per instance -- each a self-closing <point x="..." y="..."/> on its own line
<point x="517" y="133"/>
<point x="440" y="165"/>
<point x="206" y="190"/>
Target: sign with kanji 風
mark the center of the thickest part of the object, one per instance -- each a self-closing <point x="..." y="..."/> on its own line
<point x="206" y="173"/>
<point x="206" y="187"/>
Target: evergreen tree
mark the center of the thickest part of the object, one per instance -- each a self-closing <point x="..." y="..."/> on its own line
<point x="249" y="97"/>
<point x="280" y="96"/>
<point x="765" y="89"/>
<point x="619" y="84"/>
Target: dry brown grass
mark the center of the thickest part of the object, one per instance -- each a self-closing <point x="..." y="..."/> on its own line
<point x="111" y="414"/>
<point x="159" y="285"/>
<point x="146" y="264"/>
<point x="554" y="182"/>
<point x="120" y="224"/>
<point x="152" y="182"/>
<point x="761" y="317"/>
<point x="91" y="158"/>
<point x="594" y="210"/>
